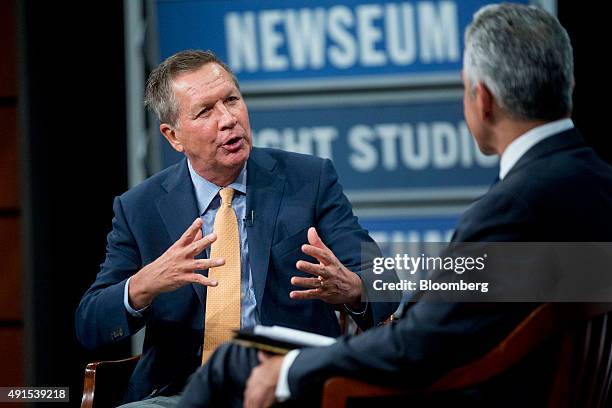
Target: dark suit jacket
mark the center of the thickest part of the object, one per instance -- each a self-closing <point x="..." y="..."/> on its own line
<point x="558" y="191"/>
<point x="288" y="193"/>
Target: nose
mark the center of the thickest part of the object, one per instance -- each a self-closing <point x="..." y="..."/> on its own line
<point x="226" y="119"/>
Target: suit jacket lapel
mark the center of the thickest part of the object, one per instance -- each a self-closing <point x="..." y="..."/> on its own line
<point x="264" y="193"/>
<point x="178" y="209"/>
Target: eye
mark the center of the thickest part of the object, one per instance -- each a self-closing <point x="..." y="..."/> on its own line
<point x="232" y="99"/>
<point x="204" y="112"/>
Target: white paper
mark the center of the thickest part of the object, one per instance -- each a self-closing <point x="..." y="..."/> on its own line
<point x="300" y="337"/>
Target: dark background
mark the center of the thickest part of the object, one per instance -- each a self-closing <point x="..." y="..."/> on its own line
<point x="71" y="105"/>
<point x="73" y="126"/>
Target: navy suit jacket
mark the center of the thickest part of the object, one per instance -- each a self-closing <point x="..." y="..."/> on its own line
<point x="559" y="191"/>
<point x="288" y="193"/>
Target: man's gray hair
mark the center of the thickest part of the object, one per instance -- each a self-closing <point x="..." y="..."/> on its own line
<point x="159" y="95"/>
<point x="524" y="56"/>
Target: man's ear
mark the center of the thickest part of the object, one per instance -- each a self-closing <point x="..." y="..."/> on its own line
<point x="484" y="102"/>
<point x="169" y="133"/>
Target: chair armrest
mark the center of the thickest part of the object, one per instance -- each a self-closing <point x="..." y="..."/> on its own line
<point x="337" y="390"/>
<point x="106" y="382"/>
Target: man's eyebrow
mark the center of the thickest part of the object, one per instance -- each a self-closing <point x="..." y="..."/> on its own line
<point x="206" y="101"/>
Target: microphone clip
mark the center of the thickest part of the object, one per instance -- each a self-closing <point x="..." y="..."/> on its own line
<point x="250" y="218"/>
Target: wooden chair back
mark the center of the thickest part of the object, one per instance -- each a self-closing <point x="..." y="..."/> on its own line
<point x="582" y="378"/>
<point x="105" y="382"/>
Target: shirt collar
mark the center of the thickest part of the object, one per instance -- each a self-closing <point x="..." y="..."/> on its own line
<point x="206" y="191"/>
<point x="526" y="141"/>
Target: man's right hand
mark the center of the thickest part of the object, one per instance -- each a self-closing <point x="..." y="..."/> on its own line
<point x="175" y="268"/>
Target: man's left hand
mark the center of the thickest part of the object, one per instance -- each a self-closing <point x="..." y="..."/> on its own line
<point x="260" y="388"/>
<point x="333" y="283"/>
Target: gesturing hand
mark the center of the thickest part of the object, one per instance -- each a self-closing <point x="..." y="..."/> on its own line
<point x="334" y="283"/>
<point x="174" y="268"/>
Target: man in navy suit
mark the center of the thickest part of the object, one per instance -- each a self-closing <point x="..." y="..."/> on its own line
<point x="286" y="206"/>
<point x="518" y="81"/>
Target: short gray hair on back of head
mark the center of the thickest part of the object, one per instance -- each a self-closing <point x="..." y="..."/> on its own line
<point x="524" y="56"/>
<point x="159" y="95"/>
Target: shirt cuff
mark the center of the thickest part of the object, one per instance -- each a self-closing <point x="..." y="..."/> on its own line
<point x="126" y="302"/>
<point x="283" y="393"/>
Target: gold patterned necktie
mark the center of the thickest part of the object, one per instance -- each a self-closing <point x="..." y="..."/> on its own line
<point x="223" y="301"/>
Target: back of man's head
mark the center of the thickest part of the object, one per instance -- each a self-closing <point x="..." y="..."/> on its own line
<point x="159" y="95"/>
<point x="524" y="56"/>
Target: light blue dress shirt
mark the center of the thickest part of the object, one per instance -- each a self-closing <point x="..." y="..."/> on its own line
<point x="208" y="200"/>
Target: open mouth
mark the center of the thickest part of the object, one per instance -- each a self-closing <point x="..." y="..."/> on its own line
<point x="233" y="144"/>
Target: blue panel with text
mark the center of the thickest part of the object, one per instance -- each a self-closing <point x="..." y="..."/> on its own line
<point x="384" y="147"/>
<point x="288" y="43"/>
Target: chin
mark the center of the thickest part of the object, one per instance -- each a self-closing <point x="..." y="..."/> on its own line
<point x="238" y="158"/>
<point x="485" y="148"/>
<point x="488" y="150"/>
